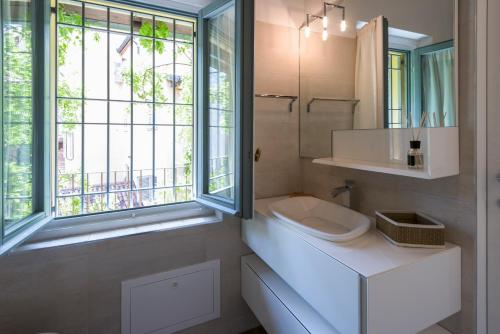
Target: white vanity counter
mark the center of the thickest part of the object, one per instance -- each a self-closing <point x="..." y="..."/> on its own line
<point x="369" y="255"/>
<point x="366" y="285"/>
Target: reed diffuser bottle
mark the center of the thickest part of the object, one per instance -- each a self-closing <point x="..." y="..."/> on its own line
<point x="415" y="154"/>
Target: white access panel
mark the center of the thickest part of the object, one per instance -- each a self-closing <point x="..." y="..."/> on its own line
<point x="171" y="301"/>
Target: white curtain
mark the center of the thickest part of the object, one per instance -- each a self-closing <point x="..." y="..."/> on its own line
<point x="438" y="83"/>
<point x="369" y="80"/>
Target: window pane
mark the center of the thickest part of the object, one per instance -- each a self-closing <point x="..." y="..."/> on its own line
<point x="95" y="162"/>
<point x="69" y="61"/>
<point x="143" y="198"/>
<point x="143" y="114"/>
<point x="164" y="71"/>
<point x="17" y="112"/>
<point x="183" y="31"/>
<point x="143" y="24"/>
<point x="69" y="159"/>
<point x="120" y="71"/>
<point x="119" y="200"/>
<point x="183" y="53"/>
<point x="397" y="89"/>
<point x="183" y="114"/>
<point x="120" y="94"/>
<point x="164" y="196"/>
<point x="96" y="16"/>
<point x="119" y="20"/>
<point x="120" y="112"/>
<point x="96" y="70"/>
<point x="143" y="157"/>
<point x="143" y="69"/>
<point x="95" y="203"/>
<point x="69" y="206"/>
<point x="164" y="27"/>
<point x="221" y="48"/>
<point x="183" y="194"/>
<point x="164" y="156"/>
<point x="120" y="137"/>
<point x="183" y="84"/>
<point x="69" y="12"/>
<point x="183" y="155"/>
<point x="69" y="110"/>
<point x="164" y="114"/>
<point x="96" y="111"/>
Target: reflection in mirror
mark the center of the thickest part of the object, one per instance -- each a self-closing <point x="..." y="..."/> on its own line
<point x="375" y="64"/>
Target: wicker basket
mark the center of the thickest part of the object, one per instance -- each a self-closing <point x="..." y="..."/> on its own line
<point x="410" y="229"/>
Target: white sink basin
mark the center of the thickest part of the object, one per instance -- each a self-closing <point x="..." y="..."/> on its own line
<point x="320" y="218"/>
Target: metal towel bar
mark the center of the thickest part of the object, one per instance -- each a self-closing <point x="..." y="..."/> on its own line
<point x="286" y="97"/>
<point x="339" y="99"/>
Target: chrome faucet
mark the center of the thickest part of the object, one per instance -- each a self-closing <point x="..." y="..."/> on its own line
<point x="340" y="190"/>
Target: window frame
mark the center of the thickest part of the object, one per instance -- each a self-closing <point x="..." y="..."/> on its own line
<point x="147" y="9"/>
<point x="242" y="204"/>
<point x="40" y="21"/>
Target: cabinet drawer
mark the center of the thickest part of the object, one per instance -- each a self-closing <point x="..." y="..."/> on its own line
<point x="277" y="306"/>
<point x="330" y="287"/>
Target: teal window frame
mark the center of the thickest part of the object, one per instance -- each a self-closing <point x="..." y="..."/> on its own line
<point x="242" y="204"/>
<point x="416" y="73"/>
<point x="40" y="20"/>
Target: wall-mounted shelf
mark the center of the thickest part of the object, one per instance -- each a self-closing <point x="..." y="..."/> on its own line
<point x="292" y="98"/>
<point x="384" y="151"/>
<point x="394" y="169"/>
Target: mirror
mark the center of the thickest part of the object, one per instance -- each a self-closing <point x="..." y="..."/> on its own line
<point x="378" y="64"/>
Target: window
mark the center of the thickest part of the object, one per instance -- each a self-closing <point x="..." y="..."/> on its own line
<point x="398" y="80"/>
<point x="23" y="173"/>
<point x="221" y="75"/>
<point x="225" y="151"/>
<point x="109" y="122"/>
<point x="124" y="109"/>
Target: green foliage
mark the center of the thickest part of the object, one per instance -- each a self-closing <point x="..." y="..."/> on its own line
<point x="17" y="121"/>
<point x="161" y="31"/>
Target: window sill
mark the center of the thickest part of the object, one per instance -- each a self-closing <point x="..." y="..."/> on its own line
<point x="69" y="231"/>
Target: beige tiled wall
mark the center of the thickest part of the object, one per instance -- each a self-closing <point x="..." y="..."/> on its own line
<point x="451" y="200"/>
<point x="276" y="129"/>
<point x="77" y="289"/>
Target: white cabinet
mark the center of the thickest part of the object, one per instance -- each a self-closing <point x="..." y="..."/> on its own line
<point x="364" y="286"/>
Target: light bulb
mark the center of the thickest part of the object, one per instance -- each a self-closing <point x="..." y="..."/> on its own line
<point x="324" y="35"/>
<point x="343" y="25"/>
<point x="307" y="31"/>
<point x="325" y="22"/>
